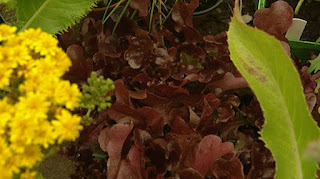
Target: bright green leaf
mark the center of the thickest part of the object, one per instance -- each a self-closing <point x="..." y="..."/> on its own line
<point x="52" y="16"/>
<point x="288" y="127"/>
<point x="315" y="65"/>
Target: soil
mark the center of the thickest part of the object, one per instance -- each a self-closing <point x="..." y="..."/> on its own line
<point x="56" y="167"/>
<point x="218" y="20"/>
<point x="309" y="11"/>
<point x="204" y="4"/>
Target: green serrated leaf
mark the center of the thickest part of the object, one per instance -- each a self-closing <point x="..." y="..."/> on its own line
<point x="288" y="127"/>
<point x="52" y="16"/>
<point x="315" y="65"/>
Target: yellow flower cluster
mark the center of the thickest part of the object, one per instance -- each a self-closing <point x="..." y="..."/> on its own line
<point x="35" y="104"/>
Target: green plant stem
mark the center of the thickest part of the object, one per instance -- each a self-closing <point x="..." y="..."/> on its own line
<point x="113" y="10"/>
<point x="119" y="18"/>
<point x="105" y="12"/>
<point x="296" y="11"/>
<point x="134" y="14"/>
<point x="151" y="14"/>
<point x="166" y="18"/>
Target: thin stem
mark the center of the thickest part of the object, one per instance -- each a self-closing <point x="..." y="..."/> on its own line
<point x="113" y="10"/>
<point x="166" y="18"/>
<point x="119" y="18"/>
<point x="296" y="11"/>
<point x="134" y="14"/>
<point x="105" y="12"/>
<point x="160" y="10"/>
<point x="151" y="14"/>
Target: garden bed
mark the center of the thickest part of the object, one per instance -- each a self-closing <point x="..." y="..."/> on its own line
<point x="175" y="104"/>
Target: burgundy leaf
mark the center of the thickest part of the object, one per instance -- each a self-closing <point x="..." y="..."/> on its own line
<point x="183" y="16"/>
<point x="262" y="163"/>
<point x="189" y="173"/>
<point x="126" y="171"/>
<point x="111" y="141"/>
<point x="210" y="102"/>
<point x="140" y="137"/>
<point x="140" y="49"/>
<point x="174" y="155"/>
<point x="275" y="20"/>
<point x="229" y="82"/>
<point x="231" y="168"/>
<point x="153" y="119"/>
<point x="81" y="68"/>
<point x="156" y="151"/>
<point x="123" y="114"/>
<point x="140" y="5"/>
<point x="122" y="94"/>
<point x="189" y="146"/>
<point x="131" y="166"/>
<point x="210" y="149"/>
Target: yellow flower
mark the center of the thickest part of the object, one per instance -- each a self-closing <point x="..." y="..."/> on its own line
<point x="9" y="162"/>
<point x="5" y="115"/>
<point x="7" y="32"/>
<point x="43" y="135"/>
<point x="27" y="38"/>
<point x="45" y="44"/>
<point x="30" y="156"/>
<point x="38" y="116"/>
<point x="28" y="175"/>
<point x="33" y="104"/>
<point x="67" y="126"/>
<point x="62" y="60"/>
<point x="68" y="94"/>
<point x="22" y="129"/>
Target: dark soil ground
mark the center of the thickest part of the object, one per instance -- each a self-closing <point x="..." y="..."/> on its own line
<point x="218" y="20"/>
<point x="57" y="167"/>
<point x="309" y="11"/>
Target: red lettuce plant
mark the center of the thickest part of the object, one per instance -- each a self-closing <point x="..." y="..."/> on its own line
<point x="180" y="107"/>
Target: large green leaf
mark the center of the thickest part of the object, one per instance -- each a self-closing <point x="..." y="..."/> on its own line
<point x="288" y="127"/>
<point x="52" y="16"/>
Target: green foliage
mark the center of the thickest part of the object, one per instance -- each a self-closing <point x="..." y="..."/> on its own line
<point x="288" y="127"/>
<point x="10" y="4"/>
<point x="52" y="16"/>
<point x="187" y="59"/>
<point x="314" y="65"/>
<point x="95" y="95"/>
<point x="318" y="86"/>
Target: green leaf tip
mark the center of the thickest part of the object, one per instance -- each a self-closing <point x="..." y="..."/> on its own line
<point x="270" y="73"/>
<point x="52" y="16"/>
<point x="314" y="65"/>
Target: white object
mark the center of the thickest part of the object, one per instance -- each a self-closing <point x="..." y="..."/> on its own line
<point x="247" y="18"/>
<point x="296" y="29"/>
